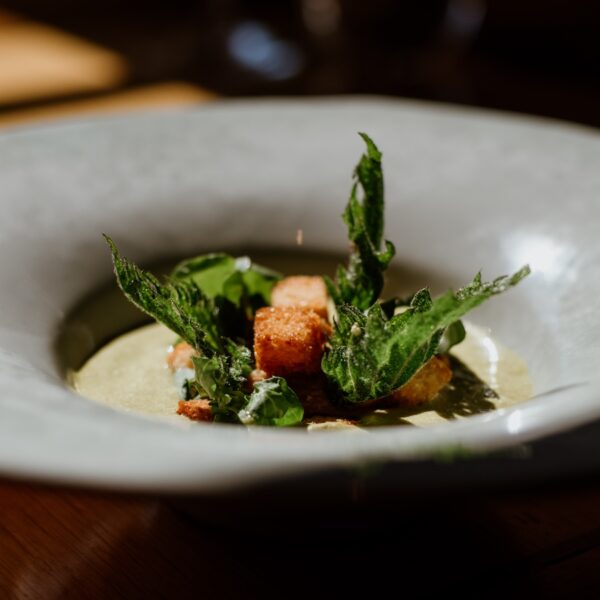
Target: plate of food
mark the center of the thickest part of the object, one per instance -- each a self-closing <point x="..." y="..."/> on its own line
<point x="201" y="300"/>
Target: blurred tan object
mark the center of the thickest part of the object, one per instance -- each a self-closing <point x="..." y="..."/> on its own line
<point x="162" y="95"/>
<point x="38" y="61"/>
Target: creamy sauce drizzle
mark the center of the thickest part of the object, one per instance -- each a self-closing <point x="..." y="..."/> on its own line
<point x="130" y="374"/>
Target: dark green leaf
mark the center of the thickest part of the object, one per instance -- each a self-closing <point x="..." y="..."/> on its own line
<point x="361" y="282"/>
<point x="237" y="287"/>
<point x="180" y="306"/>
<point x="208" y="272"/>
<point x="223" y="384"/>
<point x="272" y="402"/>
<point x="370" y="176"/>
<point x="372" y="355"/>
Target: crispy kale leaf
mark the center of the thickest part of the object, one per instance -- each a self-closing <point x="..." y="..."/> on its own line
<point x="223" y="378"/>
<point x="372" y="355"/>
<point x="360" y="283"/>
<point x="223" y="366"/>
<point x="182" y="307"/>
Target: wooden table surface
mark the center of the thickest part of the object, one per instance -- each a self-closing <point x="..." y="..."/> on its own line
<point x="65" y="543"/>
<point x="59" y="543"/>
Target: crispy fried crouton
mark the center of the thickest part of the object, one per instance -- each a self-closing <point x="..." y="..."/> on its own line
<point x="180" y="356"/>
<point x="197" y="410"/>
<point x="288" y="340"/>
<point x="301" y="290"/>
<point x="425" y="384"/>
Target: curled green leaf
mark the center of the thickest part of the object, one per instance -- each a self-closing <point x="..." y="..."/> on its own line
<point x="361" y="282"/>
<point x="389" y="351"/>
<point x="181" y="306"/>
<point x="272" y="402"/>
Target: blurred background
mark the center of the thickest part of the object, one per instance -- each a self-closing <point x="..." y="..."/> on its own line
<point x="61" y="57"/>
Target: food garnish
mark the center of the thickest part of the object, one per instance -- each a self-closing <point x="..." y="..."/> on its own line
<point x="258" y="349"/>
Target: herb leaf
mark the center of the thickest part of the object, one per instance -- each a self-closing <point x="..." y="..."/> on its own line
<point x="223" y="377"/>
<point x="236" y="286"/>
<point x="372" y="355"/>
<point x="182" y="307"/>
<point x="272" y="402"/>
<point x="220" y="274"/>
<point x="360" y="283"/>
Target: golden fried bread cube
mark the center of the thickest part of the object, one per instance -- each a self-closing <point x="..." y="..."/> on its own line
<point x="197" y="410"/>
<point x="303" y="291"/>
<point x="180" y="356"/>
<point x="425" y="384"/>
<point x="288" y="340"/>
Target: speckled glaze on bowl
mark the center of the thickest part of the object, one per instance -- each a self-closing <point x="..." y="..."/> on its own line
<point x="465" y="190"/>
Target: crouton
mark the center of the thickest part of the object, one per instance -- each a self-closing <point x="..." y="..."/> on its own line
<point x="303" y="291"/>
<point x="197" y="410"/>
<point x="288" y="340"/>
<point x="425" y="384"/>
<point x="180" y="356"/>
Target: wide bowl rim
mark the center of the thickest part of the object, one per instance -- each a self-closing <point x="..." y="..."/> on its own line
<point x="482" y="433"/>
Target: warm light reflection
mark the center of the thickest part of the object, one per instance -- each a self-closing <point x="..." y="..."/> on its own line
<point x="546" y="256"/>
<point x="493" y="357"/>
<point x="37" y="61"/>
<point x="514" y="422"/>
<point x="163" y="95"/>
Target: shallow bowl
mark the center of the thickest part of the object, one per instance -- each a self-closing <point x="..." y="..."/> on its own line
<point x="466" y="190"/>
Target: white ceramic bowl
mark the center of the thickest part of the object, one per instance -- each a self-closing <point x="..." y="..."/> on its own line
<point x="465" y="190"/>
